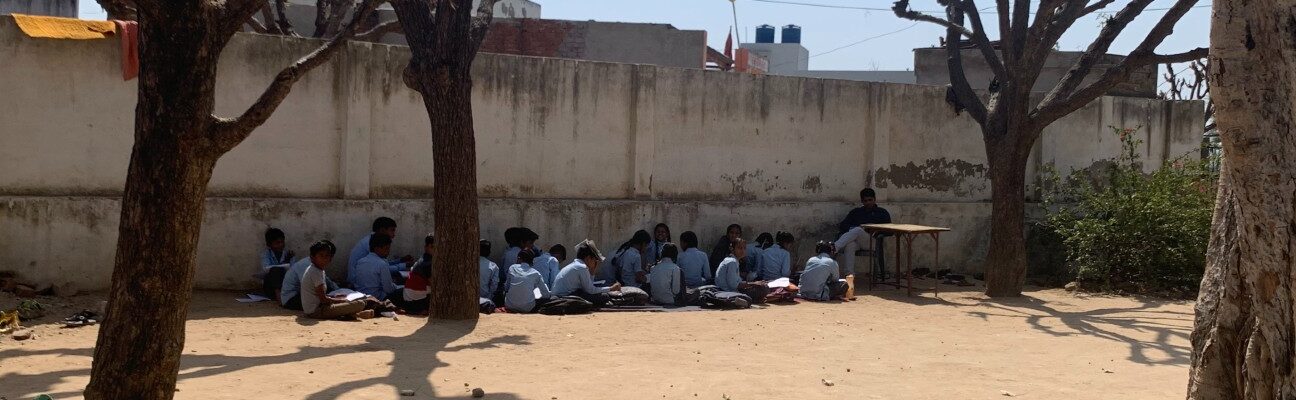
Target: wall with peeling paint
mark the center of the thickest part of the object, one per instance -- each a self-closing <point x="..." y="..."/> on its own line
<point x="574" y="149"/>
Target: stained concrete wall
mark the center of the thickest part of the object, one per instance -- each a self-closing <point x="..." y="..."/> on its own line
<point x="573" y="149"/>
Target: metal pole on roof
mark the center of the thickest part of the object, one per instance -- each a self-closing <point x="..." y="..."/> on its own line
<point x="734" y="4"/>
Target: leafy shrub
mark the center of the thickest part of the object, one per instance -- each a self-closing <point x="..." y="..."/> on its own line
<point x="1127" y="231"/>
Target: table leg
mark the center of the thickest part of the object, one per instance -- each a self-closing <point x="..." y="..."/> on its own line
<point x="936" y="237"/>
<point x="909" y="263"/>
<point x="898" y="238"/>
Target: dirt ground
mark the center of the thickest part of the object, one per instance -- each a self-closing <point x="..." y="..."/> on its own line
<point x="1048" y="345"/>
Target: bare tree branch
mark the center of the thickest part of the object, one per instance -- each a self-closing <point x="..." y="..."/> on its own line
<point x="979" y="38"/>
<point x="257" y="26"/>
<point x="963" y="95"/>
<point x="378" y="31"/>
<point x="1096" y="51"/>
<point x="268" y="20"/>
<point x="281" y="18"/>
<point x="481" y="22"/>
<point x="901" y="9"/>
<point x="1191" y="55"/>
<point x="1005" y="30"/>
<point x="1100" y="4"/>
<point x="1021" y="17"/>
<point x="230" y="132"/>
<point x="322" y="8"/>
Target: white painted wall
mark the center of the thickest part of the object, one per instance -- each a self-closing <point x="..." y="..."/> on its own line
<point x="574" y="149"/>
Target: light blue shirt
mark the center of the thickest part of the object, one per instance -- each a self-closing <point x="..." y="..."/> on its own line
<point x="693" y="265"/>
<point x="727" y="278"/>
<point x="510" y="258"/>
<point x="361" y="250"/>
<point x="819" y="272"/>
<point x="372" y="277"/>
<point x="573" y="277"/>
<point x="292" y="281"/>
<point x="488" y="273"/>
<point x="631" y="264"/>
<point x="548" y="267"/>
<point x="776" y="263"/>
<point x="755" y="258"/>
<point x="523" y="282"/>
<point x="652" y="252"/>
<point x="270" y="260"/>
<point x="664" y="282"/>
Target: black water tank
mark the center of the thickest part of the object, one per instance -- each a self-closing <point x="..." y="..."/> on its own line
<point x="791" y="34"/>
<point x="765" y="34"/>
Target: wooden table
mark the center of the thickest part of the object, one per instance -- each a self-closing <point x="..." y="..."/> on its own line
<point x="908" y="233"/>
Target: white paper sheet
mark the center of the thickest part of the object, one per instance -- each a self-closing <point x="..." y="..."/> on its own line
<point x="780" y="282"/>
<point x="251" y="298"/>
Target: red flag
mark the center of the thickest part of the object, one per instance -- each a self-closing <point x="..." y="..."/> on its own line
<point x="728" y="52"/>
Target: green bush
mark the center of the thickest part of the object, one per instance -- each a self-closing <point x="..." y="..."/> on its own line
<point x="1127" y="231"/>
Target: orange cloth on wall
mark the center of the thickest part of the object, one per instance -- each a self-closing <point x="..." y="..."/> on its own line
<point x="128" y="33"/>
<point x="39" y="26"/>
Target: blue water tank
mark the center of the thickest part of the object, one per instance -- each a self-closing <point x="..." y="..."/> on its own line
<point x="765" y="34"/>
<point x="791" y="34"/>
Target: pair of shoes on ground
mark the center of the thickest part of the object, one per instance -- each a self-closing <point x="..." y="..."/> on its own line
<point x="83" y="318"/>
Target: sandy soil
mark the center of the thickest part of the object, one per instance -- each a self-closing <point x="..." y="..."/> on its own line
<point x="1049" y="345"/>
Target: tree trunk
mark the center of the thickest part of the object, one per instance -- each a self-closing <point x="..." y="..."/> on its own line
<point x="1246" y="312"/>
<point x="443" y="43"/>
<point x="137" y="355"/>
<point x="447" y="95"/>
<point x="1007" y="153"/>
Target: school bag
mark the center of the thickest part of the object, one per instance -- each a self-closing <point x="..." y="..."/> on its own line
<point x="485" y="305"/>
<point x="726" y="300"/>
<point x="566" y="305"/>
<point x="629" y="296"/>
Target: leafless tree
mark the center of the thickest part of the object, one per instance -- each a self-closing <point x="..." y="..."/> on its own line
<point x="178" y="140"/>
<point x="1010" y="121"/>
<point x="444" y="36"/>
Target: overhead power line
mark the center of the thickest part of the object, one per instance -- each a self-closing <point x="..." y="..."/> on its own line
<point x="855" y="43"/>
<point x="989" y="10"/>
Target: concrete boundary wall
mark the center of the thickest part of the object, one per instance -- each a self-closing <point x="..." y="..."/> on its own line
<point x="571" y="148"/>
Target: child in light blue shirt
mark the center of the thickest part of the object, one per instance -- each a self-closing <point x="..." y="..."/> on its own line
<point x="777" y="262"/>
<point x="664" y="283"/>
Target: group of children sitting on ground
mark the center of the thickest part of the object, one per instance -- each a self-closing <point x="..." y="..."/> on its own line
<point x="645" y="269"/>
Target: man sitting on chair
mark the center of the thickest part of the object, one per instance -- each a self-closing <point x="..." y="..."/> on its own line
<point x="853" y="236"/>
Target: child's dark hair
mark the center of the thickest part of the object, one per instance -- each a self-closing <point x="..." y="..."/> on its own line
<point x="484" y="248"/>
<point x="511" y="236"/>
<point x="526" y="256"/>
<point x="557" y="249"/>
<point x="527" y="235"/>
<point x="764" y="240"/>
<point x="825" y="247"/>
<point x="784" y="237"/>
<point x="640" y="237"/>
<point x="379" y="240"/>
<point x="669" y="250"/>
<point x="429" y="239"/>
<point x="867" y="193"/>
<point x="272" y="235"/>
<point x="660" y="226"/>
<point x="688" y="240"/>
<point x="587" y="249"/>
<point x="323" y="246"/>
<point x="732" y="226"/>
<point x="383" y="223"/>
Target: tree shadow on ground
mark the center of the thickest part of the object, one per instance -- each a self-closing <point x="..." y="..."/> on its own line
<point x="414" y="360"/>
<point x="1116" y="324"/>
<point x="1108" y="323"/>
